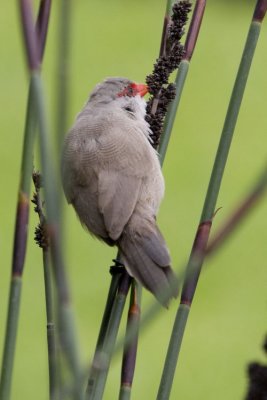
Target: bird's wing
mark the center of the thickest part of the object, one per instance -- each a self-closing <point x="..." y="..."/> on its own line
<point x="118" y="194"/>
<point x="125" y="169"/>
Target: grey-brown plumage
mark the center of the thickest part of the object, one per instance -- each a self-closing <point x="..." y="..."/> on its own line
<point x="112" y="177"/>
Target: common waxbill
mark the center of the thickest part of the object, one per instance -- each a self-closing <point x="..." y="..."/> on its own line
<point x="112" y="177"/>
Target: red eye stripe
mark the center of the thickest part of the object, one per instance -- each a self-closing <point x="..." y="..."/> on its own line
<point x="133" y="89"/>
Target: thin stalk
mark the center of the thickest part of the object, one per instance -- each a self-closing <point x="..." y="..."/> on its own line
<point x="130" y="350"/>
<point x="19" y="249"/>
<point x="10" y="338"/>
<point x="169" y="5"/>
<point x="241" y="211"/>
<point x="22" y="213"/>
<point x="198" y="251"/>
<point x="51" y="338"/>
<point x="42" y="25"/>
<point x="166" y="24"/>
<point x="65" y="314"/>
<point x="172" y="109"/>
<point x="96" y="391"/>
<point x="42" y="240"/>
<point x="62" y="89"/>
<point x="108" y="309"/>
<point x="114" y="284"/>
<point x="63" y="66"/>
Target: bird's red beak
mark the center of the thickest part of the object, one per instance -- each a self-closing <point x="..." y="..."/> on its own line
<point x="139" y="88"/>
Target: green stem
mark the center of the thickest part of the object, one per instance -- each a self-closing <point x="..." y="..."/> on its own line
<point x="230" y="122"/>
<point x="10" y="337"/>
<point x="108" y="308"/>
<point x="173" y="351"/>
<point x="22" y="214"/>
<point x="169" y="6"/>
<point x="125" y="392"/>
<point x="63" y="76"/>
<point x="102" y="360"/>
<point x="65" y="314"/>
<point x="62" y="90"/>
<point x="103" y="329"/>
<point x="51" y="339"/>
<point x="19" y="246"/>
<point x="28" y="144"/>
<point x="172" y="110"/>
<point x="197" y="254"/>
<point x="42" y="240"/>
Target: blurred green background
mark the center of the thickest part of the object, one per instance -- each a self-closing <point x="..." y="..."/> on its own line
<point x="228" y="319"/>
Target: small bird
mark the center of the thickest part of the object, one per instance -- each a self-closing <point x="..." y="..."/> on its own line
<point x="112" y="176"/>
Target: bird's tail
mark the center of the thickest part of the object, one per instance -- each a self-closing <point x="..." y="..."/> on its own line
<point x="147" y="259"/>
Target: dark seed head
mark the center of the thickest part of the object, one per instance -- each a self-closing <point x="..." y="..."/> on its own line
<point x="157" y="82"/>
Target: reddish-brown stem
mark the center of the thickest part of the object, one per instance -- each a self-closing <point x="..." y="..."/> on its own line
<point x="193" y="31"/>
<point x="164" y="37"/>
<point x="42" y="26"/>
<point x="234" y="220"/>
<point x="130" y="350"/>
<point x="198" y="254"/>
<point x="260" y="10"/>
<point x="29" y="34"/>
<point x="20" y="239"/>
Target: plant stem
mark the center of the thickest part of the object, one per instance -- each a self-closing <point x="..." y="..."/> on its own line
<point x="230" y="122"/>
<point x="63" y="75"/>
<point x="51" y="338"/>
<point x="66" y="323"/>
<point x="43" y="241"/>
<point x="108" y="309"/>
<point x="130" y="350"/>
<point x="169" y="5"/>
<point x="42" y="25"/>
<point x="115" y="280"/>
<point x="10" y="339"/>
<point x="198" y="251"/>
<point x="62" y="90"/>
<point x="194" y="28"/>
<point x="102" y="362"/>
<point x="238" y="215"/>
<point x="166" y="23"/>
<point x="22" y="213"/>
<point x="65" y="314"/>
<point x="172" y="109"/>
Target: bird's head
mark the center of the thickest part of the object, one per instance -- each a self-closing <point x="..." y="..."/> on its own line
<point x="115" y="87"/>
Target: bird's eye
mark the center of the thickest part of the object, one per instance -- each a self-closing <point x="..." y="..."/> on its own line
<point x="129" y="111"/>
